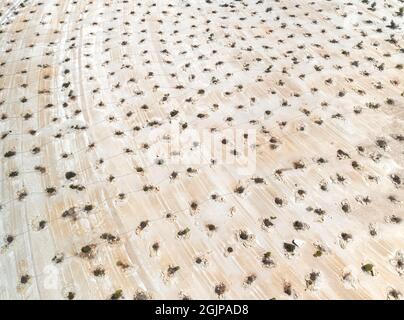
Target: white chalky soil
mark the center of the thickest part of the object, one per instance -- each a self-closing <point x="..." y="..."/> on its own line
<point x="107" y="190"/>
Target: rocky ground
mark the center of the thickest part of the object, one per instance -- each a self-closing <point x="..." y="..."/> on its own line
<point x="110" y="110"/>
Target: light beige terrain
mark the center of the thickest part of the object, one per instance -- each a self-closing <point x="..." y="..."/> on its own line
<point x="97" y="103"/>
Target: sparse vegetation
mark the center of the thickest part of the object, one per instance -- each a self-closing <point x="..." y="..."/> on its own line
<point x="164" y="147"/>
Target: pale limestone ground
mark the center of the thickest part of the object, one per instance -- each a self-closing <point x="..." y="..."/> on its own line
<point x="84" y="80"/>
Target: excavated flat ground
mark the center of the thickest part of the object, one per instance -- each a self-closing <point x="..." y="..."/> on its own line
<point x="102" y="104"/>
